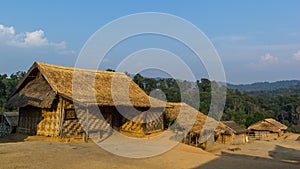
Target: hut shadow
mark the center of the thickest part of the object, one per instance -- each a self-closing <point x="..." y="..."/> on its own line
<point x="284" y="154"/>
<point x="282" y="157"/>
<point x="13" y="138"/>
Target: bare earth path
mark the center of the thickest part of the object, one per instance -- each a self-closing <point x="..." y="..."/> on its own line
<point x="16" y="153"/>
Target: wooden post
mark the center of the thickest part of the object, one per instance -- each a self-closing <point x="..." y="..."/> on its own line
<point x="144" y="122"/>
<point x="162" y="121"/>
<point x="87" y="126"/>
<point x="62" y="114"/>
<point x="196" y="140"/>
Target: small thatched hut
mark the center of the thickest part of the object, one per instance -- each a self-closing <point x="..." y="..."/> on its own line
<point x="48" y="96"/>
<point x="267" y="129"/>
<point x="231" y="133"/>
<point x="202" y="128"/>
<point x="8" y="122"/>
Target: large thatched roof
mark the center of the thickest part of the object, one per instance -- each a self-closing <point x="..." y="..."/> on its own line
<point x="232" y="126"/>
<point x="44" y="82"/>
<point x="201" y="123"/>
<point x="268" y="125"/>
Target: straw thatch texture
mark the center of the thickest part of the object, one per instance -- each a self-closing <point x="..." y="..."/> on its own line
<point x="277" y="124"/>
<point x="88" y="86"/>
<point x="232" y="126"/>
<point x="36" y="93"/>
<point x="202" y="121"/>
<point x="268" y="125"/>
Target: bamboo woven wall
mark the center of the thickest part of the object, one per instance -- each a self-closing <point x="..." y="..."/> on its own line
<point x="231" y="138"/>
<point x="69" y="127"/>
<point x="53" y="122"/>
<point x="239" y="139"/>
<point x="155" y="122"/>
<point x="91" y="123"/>
<point x="49" y="126"/>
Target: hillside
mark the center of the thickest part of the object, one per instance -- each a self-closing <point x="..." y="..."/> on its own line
<point x="266" y="86"/>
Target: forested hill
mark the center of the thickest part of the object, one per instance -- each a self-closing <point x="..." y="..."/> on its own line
<point x="293" y="90"/>
<point x="264" y="86"/>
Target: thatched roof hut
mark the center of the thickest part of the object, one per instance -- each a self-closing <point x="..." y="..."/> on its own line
<point x="198" y="132"/>
<point x="268" y="125"/>
<point x="48" y="95"/>
<point x="201" y="120"/>
<point x="231" y="133"/>
<point x="58" y="80"/>
<point x="266" y="129"/>
<point x="12" y="118"/>
<point x="231" y="126"/>
<point x="8" y="122"/>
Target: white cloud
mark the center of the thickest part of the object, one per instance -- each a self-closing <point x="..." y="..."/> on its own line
<point x="297" y="56"/>
<point x="267" y="58"/>
<point x="28" y="39"/>
<point x="35" y="38"/>
<point x="6" y="30"/>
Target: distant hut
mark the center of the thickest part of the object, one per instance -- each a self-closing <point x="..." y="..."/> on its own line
<point x="267" y="129"/>
<point x="8" y="122"/>
<point x="202" y="128"/>
<point x="231" y="133"/>
<point x="47" y="101"/>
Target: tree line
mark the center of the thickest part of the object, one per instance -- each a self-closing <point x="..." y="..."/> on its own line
<point x="244" y="108"/>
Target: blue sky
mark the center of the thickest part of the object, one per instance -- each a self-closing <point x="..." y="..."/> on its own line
<point x="256" y="40"/>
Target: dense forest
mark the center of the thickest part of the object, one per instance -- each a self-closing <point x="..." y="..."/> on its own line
<point x="7" y="86"/>
<point x="246" y="108"/>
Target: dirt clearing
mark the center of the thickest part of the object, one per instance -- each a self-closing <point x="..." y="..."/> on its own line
<point x="38" y="153"/>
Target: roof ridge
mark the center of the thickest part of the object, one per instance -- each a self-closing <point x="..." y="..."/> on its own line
<point x="236" y="128"/>
<point x="278" y="125"/>
<point x="41" y="64"/>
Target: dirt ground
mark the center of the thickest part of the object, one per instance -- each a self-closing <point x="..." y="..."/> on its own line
<point x="20" y="151"/>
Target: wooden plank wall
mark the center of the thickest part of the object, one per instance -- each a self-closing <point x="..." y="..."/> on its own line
<point x="262" y="135"/>
<point x="29" y="118"/>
